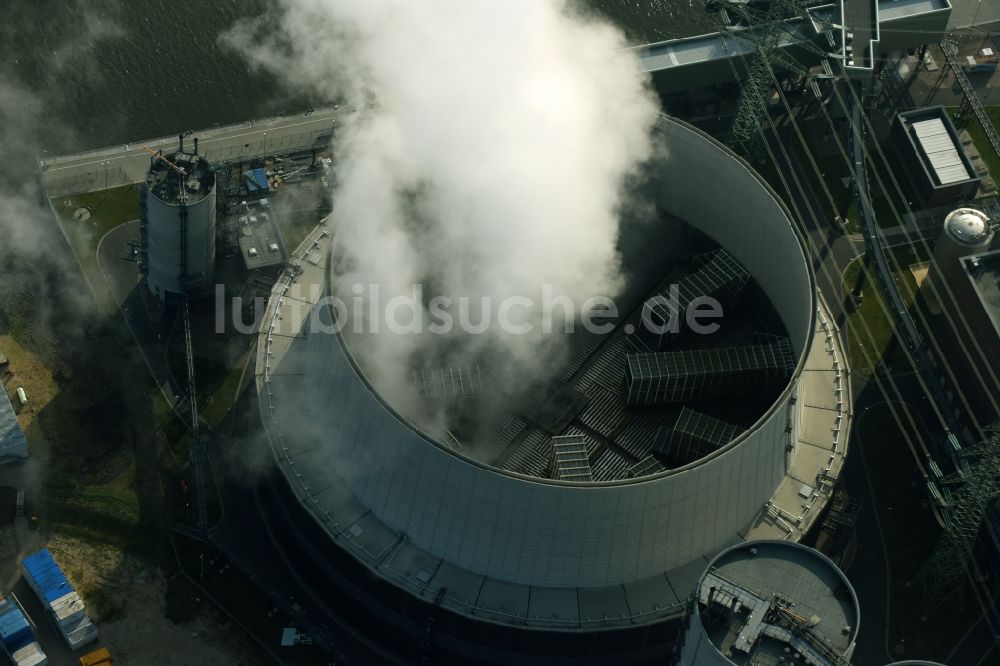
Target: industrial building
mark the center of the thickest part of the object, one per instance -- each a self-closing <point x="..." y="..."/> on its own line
<point x="64" y="606"/>
<point x="13" y="444"/>
<point x="16" y="637"/>
<point x="177" y="225"/>
<point x="929" y="151"/>
<point x="260" y="241"/>
<point x="772" y="602"/>
<point x="964" y="277"/>
<point x="566" y="533"/>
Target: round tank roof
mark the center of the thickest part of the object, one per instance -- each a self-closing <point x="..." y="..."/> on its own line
<point x="968" y="226"/>
<point x="781" y="586"/>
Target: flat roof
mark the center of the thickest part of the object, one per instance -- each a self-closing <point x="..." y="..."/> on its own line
<point x="984" y="272"/>
<point x="892" y="10"/>
<point x="941" y="151"/>
<point x="935" y="142"/>
<point x="259" y="239"/>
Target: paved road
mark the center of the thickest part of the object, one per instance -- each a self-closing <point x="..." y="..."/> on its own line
<point x="125" y="164"/>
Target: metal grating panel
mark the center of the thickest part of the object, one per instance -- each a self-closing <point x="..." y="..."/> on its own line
<point x="510" y="429"/>
<point x="718" y="276"/>
<point x="586" y="343"/>
<point x="645" y="467"/>
<point x="610" y="466"/>
<point x="530" y="456"/>
<point x="606" y="411"/>
<point x="448" y="383"/>
<point x="694" y="436"/>
<point x="639" y="434"/>
<point x="569" y="459"/>
<point x="592" y="443"/>
<point x="707" y="373"/>
<point x="607" y="368"/>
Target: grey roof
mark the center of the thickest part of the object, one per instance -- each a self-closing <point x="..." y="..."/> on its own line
<point x="900" y="9"/>
<point x="984" y="272"/>
<point x="941" y="151"/>
<point x="12" y="441"/>
<point x="969" y="226"/>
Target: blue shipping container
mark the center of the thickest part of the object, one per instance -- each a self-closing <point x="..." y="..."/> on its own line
<point x="15" y="633"/>
<point x="47" y="576"/>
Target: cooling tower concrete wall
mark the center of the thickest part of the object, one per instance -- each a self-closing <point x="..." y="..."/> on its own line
<point x="546" y="533"/>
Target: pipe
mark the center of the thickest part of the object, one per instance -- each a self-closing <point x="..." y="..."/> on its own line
<point x="180" y="140"/>
<point x="196" y="145"/>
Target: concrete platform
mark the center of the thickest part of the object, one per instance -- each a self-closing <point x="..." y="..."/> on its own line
<point x="821" y="438"/>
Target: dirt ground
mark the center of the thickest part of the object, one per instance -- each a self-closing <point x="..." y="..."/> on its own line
<point x="130" y="609"/>
<point x="125" y="598"/>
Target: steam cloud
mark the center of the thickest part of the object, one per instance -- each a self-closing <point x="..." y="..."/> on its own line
<point x="488" y="154"/>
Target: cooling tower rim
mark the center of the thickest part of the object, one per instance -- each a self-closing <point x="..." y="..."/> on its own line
<point x="784" y="398"/>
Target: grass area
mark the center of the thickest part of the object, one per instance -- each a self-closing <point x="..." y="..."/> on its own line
<point x="983" y="145"/>
<point x="108" y="209"/>
<point x="217" y="405"/>
<point x="911" y="533"/>
<point x="217" y="384"/>
<point x="89" y="417"/>
<point x="870" y="328"/>
<point x="108" y="514"/>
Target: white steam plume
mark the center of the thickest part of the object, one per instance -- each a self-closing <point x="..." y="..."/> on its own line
<point x="489" y="156"/>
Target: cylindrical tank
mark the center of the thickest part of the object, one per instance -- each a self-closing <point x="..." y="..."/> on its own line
<point x="966" y="231"/>
<point x="178" y="229"/>
<point x="770" y="598"/>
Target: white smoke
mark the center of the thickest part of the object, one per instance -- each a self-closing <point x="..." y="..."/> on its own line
<point x="488" y="155"/>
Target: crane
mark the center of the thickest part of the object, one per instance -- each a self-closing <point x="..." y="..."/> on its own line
<point x="163" y="159"/>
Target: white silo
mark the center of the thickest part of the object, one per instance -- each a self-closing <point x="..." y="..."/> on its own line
<point x="772" y="602"/>
<point x="177" y="228"/>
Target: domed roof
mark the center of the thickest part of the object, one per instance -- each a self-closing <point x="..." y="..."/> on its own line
<point x="968" y="226"/>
